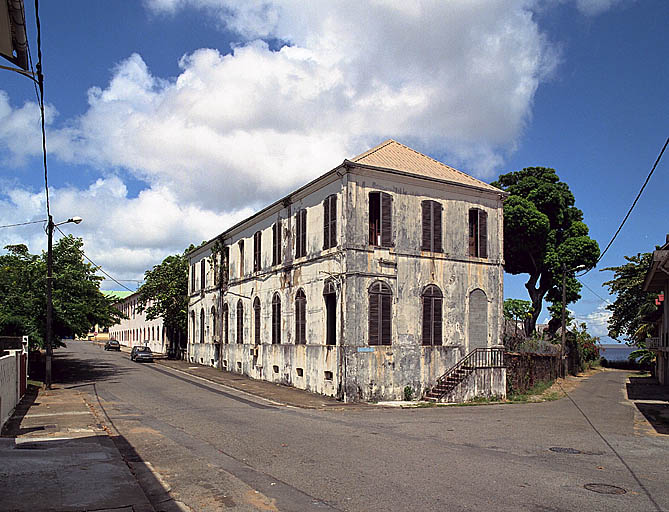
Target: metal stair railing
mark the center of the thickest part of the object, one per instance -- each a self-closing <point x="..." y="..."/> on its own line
<point x="489" y="357"/>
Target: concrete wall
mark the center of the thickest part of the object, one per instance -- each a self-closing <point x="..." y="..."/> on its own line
<point x="484" y="382"/>
<point x="9" y="384"/>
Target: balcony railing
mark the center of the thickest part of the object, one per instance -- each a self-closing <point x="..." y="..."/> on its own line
<point x="653" y="343"/>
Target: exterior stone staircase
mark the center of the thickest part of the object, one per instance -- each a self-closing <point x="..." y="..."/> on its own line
<point x="479" y="358"/>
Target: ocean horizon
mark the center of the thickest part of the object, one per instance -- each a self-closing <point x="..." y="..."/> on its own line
<point x="615" y="351"/>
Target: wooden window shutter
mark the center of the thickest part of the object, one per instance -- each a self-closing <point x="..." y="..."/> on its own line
<point x="437" y="320"/>
<point x="333" y="221"/>
<point x="276" y="319"/>
<point x="256" y="321"/>
<point x="386" y="319"/>
<point x="437" y="228"/>
<point x="473" y="232"/>
<point x="202" y="275"/>
<point x="257" y="237"/>
<point x="303" y="237"/>
<point x="426" y="218"/>
<point x="303" y="321"/>
<point x="300" y="318"/>
<point x="276" y="242"/>
<point x="298" y="230"/>
<point x="386" y="220"/>
<point x="225" y="323"/>
<point x="240" y="322"/>
<point x="483" y="234"/>
<point x="326" y="223"/>
<point x="427" y="320"/>
<point x="374" y="320"/>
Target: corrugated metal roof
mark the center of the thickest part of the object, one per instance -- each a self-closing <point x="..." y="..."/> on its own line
<point x="393" y="155"/>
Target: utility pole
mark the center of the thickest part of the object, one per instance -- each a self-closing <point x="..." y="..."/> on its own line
<point x="49" y="302"/>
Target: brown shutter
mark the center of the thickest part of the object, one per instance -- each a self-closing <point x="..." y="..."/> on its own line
<point x="427" y="320"/>
<point x="483" y="234"/>
<point x="437" y="320"/>
<point x="240" y="322"/>
<point x="426" y="218"/>
<point x="274" y="244"/>
<point x="303" y="321"/>
<point x="333" y="221"/>
<point x="386" y="334"/>
<point x="436" y="227"/>
<point x="326" y="223"/>
<point x="374" y="318"/>
<point x="473" y="222"/>
<point x="386" y="220"/>
<point x="303" y="233"/>
<point x="298" y="230"/>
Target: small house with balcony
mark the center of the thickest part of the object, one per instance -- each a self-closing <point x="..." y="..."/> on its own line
<point x="657" y="281"/>
<point x="381" y="277"/>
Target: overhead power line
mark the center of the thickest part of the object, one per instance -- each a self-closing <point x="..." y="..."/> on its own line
<point x="98" y="267"/>
<point x="22" y="224"/>
<point x="631" y="207"/>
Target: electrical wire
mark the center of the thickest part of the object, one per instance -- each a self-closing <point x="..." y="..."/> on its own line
<point x="98" y="267"/>
<point x="22" y="224"/>
<point x="40" y="83"/>
<point x="631" y="207"/>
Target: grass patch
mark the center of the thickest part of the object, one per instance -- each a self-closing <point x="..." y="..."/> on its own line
<point x="537" y="393"/>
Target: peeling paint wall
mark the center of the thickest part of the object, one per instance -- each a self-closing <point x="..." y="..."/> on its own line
<point x="352" y="369"/>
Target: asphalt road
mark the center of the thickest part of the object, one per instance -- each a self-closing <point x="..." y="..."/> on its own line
<point x="214" y="448"/>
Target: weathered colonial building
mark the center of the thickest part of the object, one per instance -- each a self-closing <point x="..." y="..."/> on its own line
<point x="137" y="330"/>
<point x="657" y="280"/>
<point x="379" y="275"/>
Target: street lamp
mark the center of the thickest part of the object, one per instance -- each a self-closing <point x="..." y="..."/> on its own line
<point x="49" y="302"/>
<point x="564" y="310"/>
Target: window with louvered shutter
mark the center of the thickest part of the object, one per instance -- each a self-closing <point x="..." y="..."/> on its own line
<point x="241" y="258"/>
<point x="202" y="274"/>
<point x="483" y="234"/>
<point x="225" y="324"/>
<point x="201" y="326"/>
<point x="478" y="233"/>
<point x="431" y="226"/>
<point x="386" y="220"/>
<point x="300" y="318"/>
<point x="276" y="243"/>
<point x="380" y="321"/>
<point x="330" y="222"/>
<point x="256" y="321"/>
<point x="240" y="322"/>
<point x="276" y="319"/>
<point x="380" y="219"/>
<point x="257" y="248"/>
<point x="326" y="223"/>
<point x="301" y="233"/>
<point x="432" y="316"/>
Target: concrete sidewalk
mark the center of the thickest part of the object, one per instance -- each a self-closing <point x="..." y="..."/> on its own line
<point x="55" y="456"/>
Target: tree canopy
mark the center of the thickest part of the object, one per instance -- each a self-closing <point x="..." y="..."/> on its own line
<point x="544" y="233"/>
<point x="164" y="293"/>
<point x="78" y="303"/>
<point x="632" y="304"/>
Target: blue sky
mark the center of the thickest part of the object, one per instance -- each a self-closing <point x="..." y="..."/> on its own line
<point x="170" y="120"/>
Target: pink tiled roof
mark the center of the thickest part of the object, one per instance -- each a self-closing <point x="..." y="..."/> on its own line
<point x="393" y="155"/>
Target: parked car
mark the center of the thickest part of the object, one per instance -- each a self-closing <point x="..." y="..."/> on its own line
<point x="140" y="354"/>
<point x="113" y="345"/>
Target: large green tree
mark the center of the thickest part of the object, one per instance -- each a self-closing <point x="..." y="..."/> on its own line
<point x="78" y="303"/>
<point x="164" y="293"/>
<point x="544" y="233"/>
<point x="632" y="305"/>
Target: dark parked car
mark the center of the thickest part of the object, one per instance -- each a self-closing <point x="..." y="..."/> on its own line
<point x="113" y="345"/>
<point x="141" y="354"/>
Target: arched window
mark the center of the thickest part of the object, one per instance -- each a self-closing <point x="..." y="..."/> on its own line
<point x="256" y="321"/>
<point x="478" y="320"/>
<point x="213" y="322"/>
<point x="300" y="317"/>
<point x="240" y="322"/>
<point x="380" y="298"/>
<point x="202" y="325"/>
<point x="432" y="315"/>
<point x="276" y="319"/>
<point x="225" y="324"/>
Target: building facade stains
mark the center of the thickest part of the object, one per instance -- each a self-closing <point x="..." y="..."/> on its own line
<point x="381" y="274"/>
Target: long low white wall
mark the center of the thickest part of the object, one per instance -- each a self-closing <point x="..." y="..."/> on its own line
<point x="9" y="385"/>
